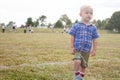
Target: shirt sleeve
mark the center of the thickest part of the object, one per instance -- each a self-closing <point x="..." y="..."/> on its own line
<point x="72" y="31"/>
<point x="95" y="34"/>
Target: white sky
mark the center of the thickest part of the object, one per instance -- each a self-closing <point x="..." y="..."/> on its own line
<point x="19" y="10"/>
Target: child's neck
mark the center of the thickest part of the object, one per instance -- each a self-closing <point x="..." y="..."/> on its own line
<point x="85" y="22"/>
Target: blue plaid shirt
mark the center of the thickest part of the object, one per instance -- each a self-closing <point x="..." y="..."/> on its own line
<point x="84" y="34"/>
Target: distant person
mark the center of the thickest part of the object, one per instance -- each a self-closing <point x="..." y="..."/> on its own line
<point x="25" y="29"/>
<point x="52" y="29"/>
<point x="66" y="29"/>
<point x="11" y="26"/>
<point x="30" y="28"/>
<point x="14" y="27"/>
<point x="3" y="28"/>
<point x="83" y="35"/>
<point x="50" y="26"/>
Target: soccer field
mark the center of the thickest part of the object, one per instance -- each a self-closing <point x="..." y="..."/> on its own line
<point x="46" y="55"/>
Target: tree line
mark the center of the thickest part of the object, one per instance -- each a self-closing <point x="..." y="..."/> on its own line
<point x="112" y="23"/>
<point x="41" y="21"/>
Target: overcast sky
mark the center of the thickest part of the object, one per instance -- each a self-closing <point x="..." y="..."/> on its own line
<point x="19" y="10"/>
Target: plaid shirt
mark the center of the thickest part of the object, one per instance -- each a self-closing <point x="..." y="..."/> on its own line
<point x="83" y="34"/>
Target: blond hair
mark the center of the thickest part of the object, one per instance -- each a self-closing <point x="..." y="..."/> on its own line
<point x="85" y="7"/>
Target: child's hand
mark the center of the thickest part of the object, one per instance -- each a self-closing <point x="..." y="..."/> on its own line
<point x="73" y="51"/>
<point x="93" y="53"/>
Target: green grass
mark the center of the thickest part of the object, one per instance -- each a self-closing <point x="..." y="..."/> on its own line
<point x="35" y="30"/>
<point x="31" y="56"/>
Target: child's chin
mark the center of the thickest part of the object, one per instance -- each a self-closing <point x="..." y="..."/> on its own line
<point x="88" y="19"/>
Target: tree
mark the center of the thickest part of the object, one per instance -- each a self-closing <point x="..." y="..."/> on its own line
<point x="99" y="24"/>
<point x="66" y="19"/>
<point x="10" y="24"/>
<point x="105" y="23"/>
<point x="36" y="23"/>
<point x="58" y="24"/>
<point x="42" y="20"/>
<point x="29" y="21"/>
<point x="114" y="22"/>
<point x="95" y="23"/>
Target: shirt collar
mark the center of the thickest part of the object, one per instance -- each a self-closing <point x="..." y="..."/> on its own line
<point x="90" y="24"/>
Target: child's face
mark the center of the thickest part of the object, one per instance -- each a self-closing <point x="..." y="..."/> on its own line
<point x="86" y="14"/>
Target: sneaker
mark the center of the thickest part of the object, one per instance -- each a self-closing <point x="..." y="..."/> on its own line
<point x="78" y="77"/>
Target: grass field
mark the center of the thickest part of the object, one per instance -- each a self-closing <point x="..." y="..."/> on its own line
<point x="44" y="55"/>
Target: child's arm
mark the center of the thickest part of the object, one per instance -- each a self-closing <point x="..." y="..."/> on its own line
<point x="95" y="43"/>
<point x="72" y="45"/>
